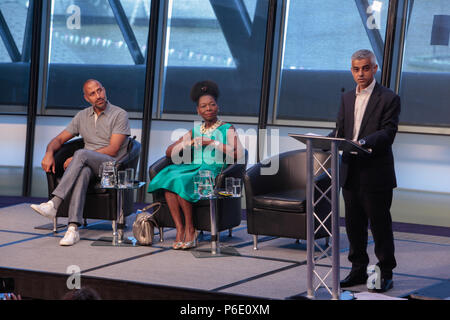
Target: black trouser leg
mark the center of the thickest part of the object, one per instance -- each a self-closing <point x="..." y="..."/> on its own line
<point x="377" y="206"/>
<point x="356" y="223"/>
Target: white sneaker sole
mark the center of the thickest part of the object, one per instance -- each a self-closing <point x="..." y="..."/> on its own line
<point x="66" y="244"/>
<point x="36" y="208"/>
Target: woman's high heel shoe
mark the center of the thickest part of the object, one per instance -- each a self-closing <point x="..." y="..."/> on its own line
<point x="177" y="245"/>
<point x="190" y="244"/>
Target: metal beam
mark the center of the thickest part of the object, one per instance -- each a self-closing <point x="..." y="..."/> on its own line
<point x="148" y="96"/>
<point x="127" y="31"/>
<point x="389" y="43"/>
<point x="405" y="7"/>
<point x="33" y="95"/>
<point x="8" y="40"/>
<point x="237" y="29"/>
<point x="267" y="67"/>
<point x="373" y="34"/>
<point x="267" y="72"/>
<point x="26" y="45"/>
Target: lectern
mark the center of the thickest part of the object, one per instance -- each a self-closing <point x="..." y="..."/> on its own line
<point x="334" y="145"/>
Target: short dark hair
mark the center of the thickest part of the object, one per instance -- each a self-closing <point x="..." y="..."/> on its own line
<point x="85" y="293"/>
<point x="202" y="88"/>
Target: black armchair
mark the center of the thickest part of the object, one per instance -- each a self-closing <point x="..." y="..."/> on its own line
<point x="100" y="203"/>
<point x="229" y="211"/>
<point x="276" y="204"/>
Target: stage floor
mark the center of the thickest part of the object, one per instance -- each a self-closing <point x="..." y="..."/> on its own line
<point x="276" y="271"/>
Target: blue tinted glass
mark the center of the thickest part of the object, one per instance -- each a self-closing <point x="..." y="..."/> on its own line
<point x="320" y="38"/>
<point x="221" y="41"/>
<point x="426" y="65"/>
<point x="15" y="44"/>
<point x="102" y="39"/>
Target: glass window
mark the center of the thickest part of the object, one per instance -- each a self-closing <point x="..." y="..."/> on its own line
<point x="426" y="65"/>
<point x="319" y="41"/>
<point x="13" y="130"/>
<point x="194" y="22"/>
<point x="251" y="7"/>
<point x="104" y="40"/>
<point x="15" y="42"/>
<point x="221" y="41"/>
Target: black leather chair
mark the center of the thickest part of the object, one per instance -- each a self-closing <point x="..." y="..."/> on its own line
<point x="100" y="203"/>
<point x="229" y="211"/>
<point x="276" y="204"/>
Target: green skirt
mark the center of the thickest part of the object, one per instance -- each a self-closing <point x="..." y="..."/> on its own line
<point x="179" y="179"/>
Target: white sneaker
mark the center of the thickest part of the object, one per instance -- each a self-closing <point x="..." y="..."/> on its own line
<point x="70" y="238"/>
<point x="46" y="209"/>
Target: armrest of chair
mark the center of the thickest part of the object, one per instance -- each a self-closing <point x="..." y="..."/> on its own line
<point x="262" y="183"/>
<point x="66" y="151"/>
<point x="61" y="155"/>
<point x="51" y="183"/>
<point x="131" y="158"/>
<point x="236" y="170"/>
<point x="254" y="184"/>
<point x="157" y="166"/>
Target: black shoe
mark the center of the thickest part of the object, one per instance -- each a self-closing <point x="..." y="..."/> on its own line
<point x="386" y="284"/>
<point x="353" y="279"/>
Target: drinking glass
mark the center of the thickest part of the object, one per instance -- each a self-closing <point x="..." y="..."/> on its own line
<point x="122" y="179"/>
<point x="237" y="187"/>
<point x="229" y="182"/>
<point x="197" y="180"/>
<point x="129" y="177"/>
<point x="205" y="189"/>
<point x="108" y="174"/>
<point x="207" y="180"/>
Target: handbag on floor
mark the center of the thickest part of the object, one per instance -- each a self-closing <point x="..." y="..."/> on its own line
<point x="144" y="225"/>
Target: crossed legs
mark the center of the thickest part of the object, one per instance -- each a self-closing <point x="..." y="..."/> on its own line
<point x="84" y="165"/>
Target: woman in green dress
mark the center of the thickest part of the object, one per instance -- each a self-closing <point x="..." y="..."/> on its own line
<point x="214" y="145"/>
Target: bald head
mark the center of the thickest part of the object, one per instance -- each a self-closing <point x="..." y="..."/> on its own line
<point x="90" y="81"/>
<point x="95" y="94"/>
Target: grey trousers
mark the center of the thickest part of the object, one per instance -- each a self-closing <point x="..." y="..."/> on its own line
<point x="84" y="166"/>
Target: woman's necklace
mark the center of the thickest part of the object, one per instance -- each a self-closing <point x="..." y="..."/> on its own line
<point x="208" y="131"/>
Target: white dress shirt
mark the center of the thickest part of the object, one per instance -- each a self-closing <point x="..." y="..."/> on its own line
<point x="361" y="101"/>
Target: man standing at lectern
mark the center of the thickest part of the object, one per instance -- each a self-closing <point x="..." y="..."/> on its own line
<point x="369" y="115"/>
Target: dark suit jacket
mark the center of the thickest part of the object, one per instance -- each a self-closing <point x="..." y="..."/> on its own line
<point x="374" y="172"/>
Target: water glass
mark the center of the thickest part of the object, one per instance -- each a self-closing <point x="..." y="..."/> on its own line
<point x="108" y="175"/>
<point x="129" y="177"/>
<point x="206" y="183"/>
<point x="229" y="182"/>
<point x="237" y="187"/>
<point x="205" y="189"/>
<point x="197" y="180"/>
<point x="122" y="179"/>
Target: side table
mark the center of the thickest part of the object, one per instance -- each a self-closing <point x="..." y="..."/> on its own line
<point x="118" y="225"/>
<point x="216" y="250"/>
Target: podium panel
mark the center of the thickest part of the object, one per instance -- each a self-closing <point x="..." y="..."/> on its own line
<point x="333" y="145"/>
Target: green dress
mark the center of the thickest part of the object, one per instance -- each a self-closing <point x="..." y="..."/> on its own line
<point x="178" y="178"/>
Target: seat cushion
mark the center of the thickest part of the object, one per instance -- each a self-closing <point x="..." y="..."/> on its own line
<point x="288" y="201"/>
